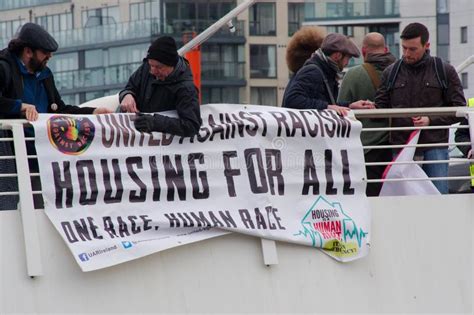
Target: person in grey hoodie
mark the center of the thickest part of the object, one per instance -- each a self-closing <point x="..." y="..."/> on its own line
<point x="163" y="82"/>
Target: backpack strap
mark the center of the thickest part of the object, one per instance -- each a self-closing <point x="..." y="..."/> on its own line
<point x="326" y="83"/>
<point x="374" y="77"/>
<point x="440" y="72"/>
<point x="393" y="74"/>
<point x="441" y="76"/>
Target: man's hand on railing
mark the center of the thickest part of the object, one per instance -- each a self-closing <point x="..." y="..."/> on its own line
<point x="102" y="110"/>
<point x="469" y="154"/>
<point x="340" y="110"/>
<point x="421" y="121"/>
<point x="362" y="104"/>
<point x="29" y="111"/>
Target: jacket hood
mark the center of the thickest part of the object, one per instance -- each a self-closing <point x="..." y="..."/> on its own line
<point x="380" y="61"/>
<point x="181" y="72"/>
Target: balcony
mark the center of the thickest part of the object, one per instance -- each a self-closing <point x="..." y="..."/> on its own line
<point x="324" y="10"/>
<point x="18" y="4"/>
<point x="107" y="33"/>
<point x="119" y="75"/>
<point x="93" y="77"/>
<point x="142" y="29"/>
<point x="222" y="70"/>
<point x="178" y="26"/>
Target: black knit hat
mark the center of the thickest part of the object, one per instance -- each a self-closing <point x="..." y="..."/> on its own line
<point x="164" y="50"/>
<point x="37" y="37"/>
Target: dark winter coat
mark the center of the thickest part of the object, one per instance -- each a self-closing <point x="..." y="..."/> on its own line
<point x="176" y="92"/>
<point x="307" y="90"/>
<point x="417" y="86"/>
<point x="11" y="90"/>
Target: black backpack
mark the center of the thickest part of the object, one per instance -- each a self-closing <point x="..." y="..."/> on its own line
<point x="439" y="70"/>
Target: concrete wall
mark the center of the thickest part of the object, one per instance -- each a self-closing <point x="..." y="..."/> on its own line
<point x="420" y="262"/>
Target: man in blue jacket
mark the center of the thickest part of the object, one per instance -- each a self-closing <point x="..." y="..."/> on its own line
<point x="27" y="88"/>
<point x="315" y="85"/>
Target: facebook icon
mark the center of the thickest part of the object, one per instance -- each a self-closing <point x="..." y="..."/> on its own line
<point x="126" y="244"/>
<point x="83" y="257"/>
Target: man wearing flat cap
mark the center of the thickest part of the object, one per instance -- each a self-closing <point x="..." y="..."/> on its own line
<point x="26" y="83"/>
<point x="27" y="88"/>
<point x="315" y="85"/>
<point x="163" y="82"/>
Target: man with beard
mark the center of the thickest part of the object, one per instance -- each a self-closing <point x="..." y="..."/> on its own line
<point x="315" y="84"/>
<point x="26" y="83"/>
<point x="413" y="82"/>
<point x="360" y="83"/>
<point x="27" y="88"/>
<point x="163" y="82"/>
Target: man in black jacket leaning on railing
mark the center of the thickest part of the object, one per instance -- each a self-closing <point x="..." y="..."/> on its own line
<point x="163" y="82"/>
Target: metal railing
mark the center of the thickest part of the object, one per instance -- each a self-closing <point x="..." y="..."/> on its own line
<point x="454" y="159"/>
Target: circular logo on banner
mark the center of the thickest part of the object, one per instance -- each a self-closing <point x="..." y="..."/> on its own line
<point x="70" y="135"/>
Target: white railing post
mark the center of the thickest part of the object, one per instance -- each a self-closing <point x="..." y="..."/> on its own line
<point x="26" y="204"/>
<point x="269" y="252"/>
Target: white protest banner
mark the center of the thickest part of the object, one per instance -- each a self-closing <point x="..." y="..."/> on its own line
<point x="115" y="194"/>
<point x="423" y="186"/>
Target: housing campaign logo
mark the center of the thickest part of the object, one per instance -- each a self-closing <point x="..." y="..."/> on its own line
<point x="70" y="135"/>
<point x="331" y="229"/>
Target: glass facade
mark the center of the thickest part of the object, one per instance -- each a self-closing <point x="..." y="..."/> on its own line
<point x="220" y="95"/>
<point x="222" y="61"/>
<point x="18" y="4"/>
<point x="263" y="96"/>
<point x="350" y="9"/>
<point x="295" y="17"/>
<point x="9" y="28"/>
<point x="263" y="61"/>
<point x="55" y="22"/>
<point x="193" y="15"/>
<point x="100" y="16"/>
<point x="98" y="58"/>
<point x="262" y="19"/>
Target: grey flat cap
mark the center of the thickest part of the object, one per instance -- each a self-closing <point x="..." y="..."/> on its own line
<point x="341" y="43"/>
<point x="37" y="37"/>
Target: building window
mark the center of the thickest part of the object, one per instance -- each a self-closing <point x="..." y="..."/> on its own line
<point x="222" y="61"/>
<point x="64" y="67"/>
<point x="341" y="10"/>
<point x="144" y="10"/>
<point x="463" y="34"/>
<point x="347" y="30"/>
<point x="194" y="15"/>
<point x="295" y="17"/>
<point x="229" y="95"/>
<point x="9" y="28"/>
<point x="464" y="80"/>
<point x="55" y="22"/>
<point x="263" y="61"/>
<point x="263" y="96"/>
<point x="100" y="16"/>
<point x="262" y="19"/>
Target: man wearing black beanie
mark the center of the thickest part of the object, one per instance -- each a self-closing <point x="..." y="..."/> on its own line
<point x="163" y="82"/>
